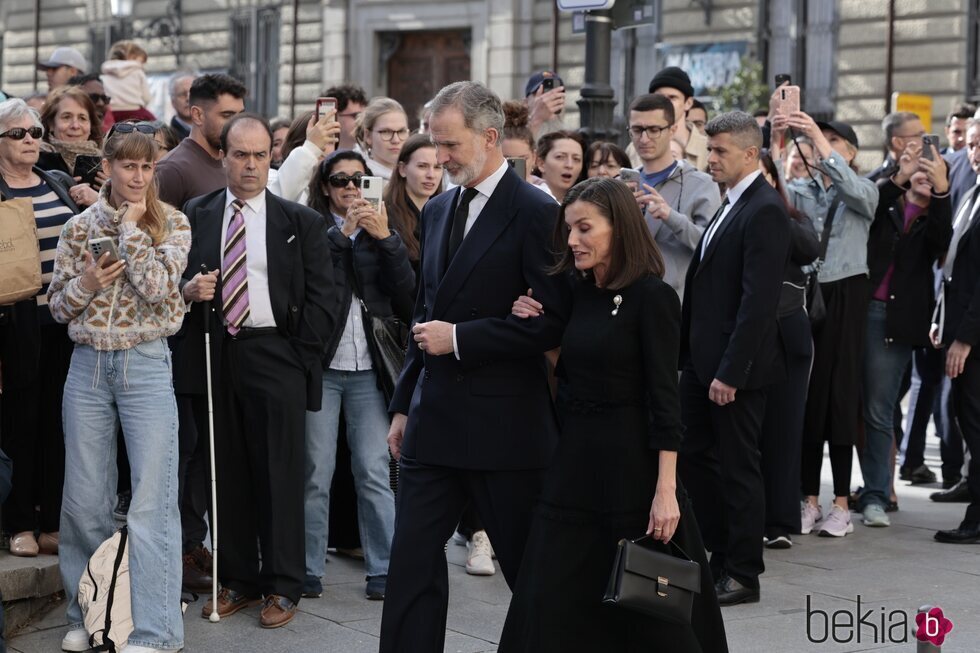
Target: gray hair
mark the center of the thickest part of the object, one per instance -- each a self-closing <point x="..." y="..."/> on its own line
<point x="176" y="77"/>
<point x="481" y="108"/>
<point x="742" y="126"/>
<point x="15" y="109"/>
<point x="895" y="121"/>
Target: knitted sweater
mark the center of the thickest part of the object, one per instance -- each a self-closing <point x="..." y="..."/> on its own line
<point x="144" y="303"/>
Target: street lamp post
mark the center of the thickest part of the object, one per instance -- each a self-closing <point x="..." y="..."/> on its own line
<point x="596" y="101"/>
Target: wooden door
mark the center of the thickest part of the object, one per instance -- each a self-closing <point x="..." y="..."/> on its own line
<point x="422" y="63"/>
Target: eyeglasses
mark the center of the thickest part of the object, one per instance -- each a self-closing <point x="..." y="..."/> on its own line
<point x="18" y="133"/>
<point x="99" y="97"/>
<point x="130" y="127"/>
<point x="389" y="134"/>
<point x="340" y="180"/>
<point x="652" y="131"/>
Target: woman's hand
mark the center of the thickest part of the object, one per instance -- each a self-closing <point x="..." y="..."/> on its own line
<point x="935" y="169"/>
<point x="665" y="514"/>
<point x="525" y="307"/>
<point x="100" y="180"/>
<point x="96" y="277"/>
<point x="133" y="211"/>
<point x="325" y="132"/>
<point x="908" y="163"/>
<point x="374" y="222"/>
<point x="83" y="195"/>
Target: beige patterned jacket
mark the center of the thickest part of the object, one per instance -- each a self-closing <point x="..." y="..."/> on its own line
<point x="144" y="303"/>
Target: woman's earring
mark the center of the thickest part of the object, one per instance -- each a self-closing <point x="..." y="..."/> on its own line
<point x="617" y="300"/>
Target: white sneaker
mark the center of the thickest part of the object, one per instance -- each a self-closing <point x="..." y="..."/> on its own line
<point x="809" y="516"/>
<point x="459" y="539"/>
<point x="479" y="562"/>
<point x="75" y="640"/>
<point x="875" y="517"/>
<point x="837" y="524"/>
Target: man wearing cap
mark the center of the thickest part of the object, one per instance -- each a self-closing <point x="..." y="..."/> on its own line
<point x="676" y="85"/>
<point x="62" y="65"/>
<point x="544" y="104"/>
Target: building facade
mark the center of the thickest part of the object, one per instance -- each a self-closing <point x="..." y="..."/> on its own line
<point x="849" y="55"/>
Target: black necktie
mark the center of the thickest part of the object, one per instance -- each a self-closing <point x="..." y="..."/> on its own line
<point x="459" y="223"/>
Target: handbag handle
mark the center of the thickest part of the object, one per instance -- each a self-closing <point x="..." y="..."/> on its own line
<point x="668" y="544"/>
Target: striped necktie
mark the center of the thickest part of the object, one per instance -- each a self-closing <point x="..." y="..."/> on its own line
<point x="234" y="275"/>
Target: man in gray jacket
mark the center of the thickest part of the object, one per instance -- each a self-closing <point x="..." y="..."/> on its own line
<point x="678" y="200"/>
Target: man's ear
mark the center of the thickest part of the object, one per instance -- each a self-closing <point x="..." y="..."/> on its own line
<point x="197" y="115"/>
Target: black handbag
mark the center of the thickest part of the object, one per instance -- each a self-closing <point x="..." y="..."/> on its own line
<point x="388" y="344"/>
<point x="655" y="583"/>
<point x="816" y="308"/>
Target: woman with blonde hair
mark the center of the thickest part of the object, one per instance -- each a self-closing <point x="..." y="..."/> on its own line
<point x="120" y="308"/>
<point x="380" y="132"/>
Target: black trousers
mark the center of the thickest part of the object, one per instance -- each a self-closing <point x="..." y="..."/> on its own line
<point x="782" y="429"/>
<point x="429" y="504"/>
<point x="260" y="455"/>
<point x="719" y="465"/>
<point x="966" y="399"/>
<point x="193" y="469"/>
<point x="32" y="436"/>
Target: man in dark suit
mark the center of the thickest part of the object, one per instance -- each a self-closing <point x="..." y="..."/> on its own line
<point x="730" y="352"/>
<point x="273" y="307"/>
<point x="958" y="329"/>
<point x="473" y="420"/>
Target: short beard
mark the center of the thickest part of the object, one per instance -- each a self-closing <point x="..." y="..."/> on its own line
<point x="468" y="173"/>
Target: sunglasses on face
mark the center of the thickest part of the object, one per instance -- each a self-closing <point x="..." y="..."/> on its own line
<point x="99" y="97"/>
<point x="341" y="180"/>
<point x="18" y="133"/>
<point x="130" y="127"/>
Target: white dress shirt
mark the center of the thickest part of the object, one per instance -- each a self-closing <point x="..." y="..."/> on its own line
<point x="483" y="192"/>
<point x="352" y="353"/>
<point x="256" y="259"/>
<point x="733" y="194"/>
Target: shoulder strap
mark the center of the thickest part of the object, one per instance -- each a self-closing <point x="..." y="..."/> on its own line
<point x="107" y="643"/>
<point x="827" y="223"/>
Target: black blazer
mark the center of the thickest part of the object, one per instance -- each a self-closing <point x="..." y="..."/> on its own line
<point x="729" y="330"/>
<point x="301" y="289"/>
<point x="962" y="294"/>
<point x="490" y="410"/>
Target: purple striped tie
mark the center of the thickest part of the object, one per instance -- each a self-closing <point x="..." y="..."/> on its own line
<point x="234" y="272"/>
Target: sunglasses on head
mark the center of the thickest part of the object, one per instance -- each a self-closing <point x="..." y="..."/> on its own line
<point x="340" y="180"/>
<point x="130" y="127"/>
<point x="18" y="133"/>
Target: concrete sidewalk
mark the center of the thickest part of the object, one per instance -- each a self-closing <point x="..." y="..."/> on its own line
<point x="891" y="569"/>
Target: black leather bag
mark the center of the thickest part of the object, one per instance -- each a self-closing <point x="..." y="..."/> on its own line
<point x="388" y="343"/>
<point x="656" y="583"/>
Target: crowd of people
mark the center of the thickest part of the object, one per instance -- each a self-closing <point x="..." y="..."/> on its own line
<point x="599" y="343"/>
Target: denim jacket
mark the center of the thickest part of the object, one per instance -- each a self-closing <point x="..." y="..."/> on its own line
<point x="847" y="251"/>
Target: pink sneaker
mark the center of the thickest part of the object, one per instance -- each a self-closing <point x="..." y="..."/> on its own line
<point x="809" y="516"/>
<point x="837" y="524"/>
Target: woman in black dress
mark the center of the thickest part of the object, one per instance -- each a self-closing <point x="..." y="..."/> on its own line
<point x="613" y="475"/>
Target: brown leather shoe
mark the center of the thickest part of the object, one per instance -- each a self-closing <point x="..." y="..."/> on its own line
<point x="47" y="543"/>
<point x="203" y="559"/>
<point x="196" y="579"/>
<point x="277" y="611"/>
<point x="229" y="602"/>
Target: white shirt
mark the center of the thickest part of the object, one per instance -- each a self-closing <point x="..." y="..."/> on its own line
<point x="352" y="353"/>
<point x="256" y="259"/>
<point x="483" y="192"/>
<point x="733" y="194"/>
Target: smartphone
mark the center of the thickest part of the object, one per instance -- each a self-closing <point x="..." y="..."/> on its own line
<point x="87" y="166"/>
<point x="929" y="140"/>
<point x="519" y="164"/>
<point x="99" y="246"/>
<point x="629" y="175"/>
<point x="783" y="78"/>
<point x="371" y="190"/>
<point x="548" y="84"/>
<point x="787" y="99"/>
<point x="325" y="105"/>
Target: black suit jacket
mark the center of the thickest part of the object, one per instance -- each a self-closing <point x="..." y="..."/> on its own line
<point x="491" y="409"/>
<point x="961" y="296"/>
<point x="301" y="289"/>
<point x="729" y="330"/>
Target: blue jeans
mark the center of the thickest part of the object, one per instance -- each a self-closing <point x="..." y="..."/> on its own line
<point x="884" y="365"/>
<point x="367" y="434"/>
<point x="132" y="387"/>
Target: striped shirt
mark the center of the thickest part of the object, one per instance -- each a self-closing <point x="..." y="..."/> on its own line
<point x="51" y="214"/>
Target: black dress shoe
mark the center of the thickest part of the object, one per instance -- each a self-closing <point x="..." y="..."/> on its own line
<point x="732" y="592"/>
<point x="967" y="533"/>
<point x="921" y="475"/>
<point x="950" y="482"/>
<point x="959" y="493"/>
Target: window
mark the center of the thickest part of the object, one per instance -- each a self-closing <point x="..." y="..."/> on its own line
<point x="255" y="57"/>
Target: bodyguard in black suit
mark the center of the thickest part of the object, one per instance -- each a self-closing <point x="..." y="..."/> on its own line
<point x="273" y="306"/>
<point x="958" y="329"/>
<point x="473" y="419"/>
<point x="730" y="352"/>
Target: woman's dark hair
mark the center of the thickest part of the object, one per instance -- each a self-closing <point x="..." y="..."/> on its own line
<point x="606" y="150"/>
<point x="317" y="196"/>
<point x="547" y="142"/>
<point x="765" y="158"/>
<point x="401" y="216"/>
<point x="516" y="119"/>
<point x="81" y="97"/>
<point x="171" y="138"/>
<point x="296" y="135"/>
<point x="633" y="252"/>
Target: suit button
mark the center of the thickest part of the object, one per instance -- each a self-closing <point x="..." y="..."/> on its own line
<point x="294" y="309"/>
<point x="425" y="307"/>
<point x="891" y="296"/>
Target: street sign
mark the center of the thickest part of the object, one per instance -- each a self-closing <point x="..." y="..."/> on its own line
<point x="920" y="105"/>
<point x="628" y="14"/>
<point x="585" y="5"/>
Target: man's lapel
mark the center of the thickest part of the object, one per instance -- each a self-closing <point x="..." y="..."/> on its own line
<point x="281" y="245"/>
<point x="733" y="214"/>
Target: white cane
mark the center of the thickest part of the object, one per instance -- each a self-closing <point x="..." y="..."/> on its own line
<point x="214" y="490"/>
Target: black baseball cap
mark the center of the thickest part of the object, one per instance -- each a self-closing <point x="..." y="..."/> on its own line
<point x="842" y="129"/>
<point x="538" y="78"/>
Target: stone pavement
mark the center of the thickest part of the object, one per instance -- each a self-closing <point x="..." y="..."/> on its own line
<point x="892" y="569"/>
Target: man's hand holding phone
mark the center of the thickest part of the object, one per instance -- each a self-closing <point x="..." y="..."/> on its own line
<point x="325" y="132"/>
<point x="544" y="105"/>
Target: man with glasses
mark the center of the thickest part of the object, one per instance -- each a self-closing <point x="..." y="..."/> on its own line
<point x="901" y="129"/>
<point x="92" y="85"/>
<point x="677" y="199"/>
<point x="180" y="99"/>
<point x="351" y="101"/>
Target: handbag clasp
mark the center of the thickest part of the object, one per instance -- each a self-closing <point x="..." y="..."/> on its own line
<point x="662" y="581"/>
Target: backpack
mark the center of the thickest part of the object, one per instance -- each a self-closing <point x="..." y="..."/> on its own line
<point x="104" y="595"/>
